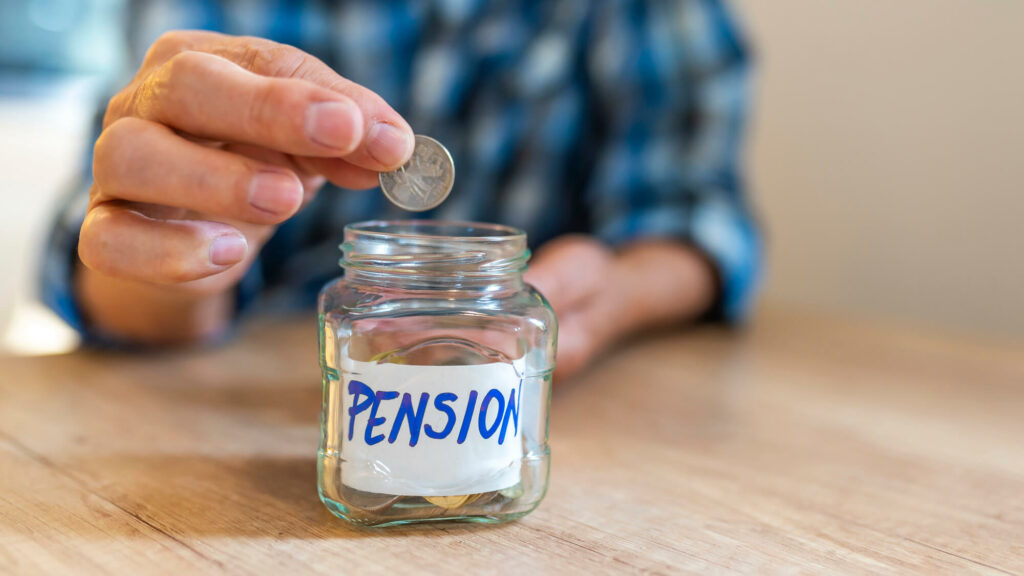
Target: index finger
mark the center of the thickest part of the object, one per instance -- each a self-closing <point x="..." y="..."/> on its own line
<point x="385" y="130"/>
<point x="273" y="85"/>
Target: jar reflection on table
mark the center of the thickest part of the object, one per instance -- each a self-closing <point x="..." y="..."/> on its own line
<point x="428" y="306"/>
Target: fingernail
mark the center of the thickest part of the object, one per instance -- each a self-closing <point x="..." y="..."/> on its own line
<point x="228" y="249"/>
<point x="389" y="145"/>
<point x="337" y="125"/>
<point x="275" y="192"/>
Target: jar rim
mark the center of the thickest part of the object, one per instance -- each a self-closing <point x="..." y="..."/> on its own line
<point x="434" y="248"/>
<point x="431" y="229"/>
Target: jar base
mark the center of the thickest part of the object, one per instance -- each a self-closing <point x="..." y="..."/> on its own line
<point x="360" y="519"/>
<point x="372" y="509"/>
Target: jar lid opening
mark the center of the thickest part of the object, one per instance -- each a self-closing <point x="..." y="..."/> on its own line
<point x="446" y="229"/>
<point x="434" y="248"/>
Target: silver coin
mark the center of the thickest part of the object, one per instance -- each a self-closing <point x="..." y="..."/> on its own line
<point x="425" y="180"/>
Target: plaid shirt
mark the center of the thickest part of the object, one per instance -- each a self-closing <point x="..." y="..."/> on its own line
<point x="618" y="118"/>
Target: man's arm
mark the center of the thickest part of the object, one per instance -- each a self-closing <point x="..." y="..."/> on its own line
<point x="216" y="141"/>
<point x="673" y="237"/>
<point x="601" y="296"/>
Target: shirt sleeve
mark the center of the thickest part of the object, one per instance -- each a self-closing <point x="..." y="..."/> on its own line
<point x="60" y="256"/>
<point x="670" y="81"/>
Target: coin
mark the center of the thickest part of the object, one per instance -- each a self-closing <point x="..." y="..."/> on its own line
<point x="512" y="492"/>
<point x="451" y="502"/>
<point x="425" y="180"/>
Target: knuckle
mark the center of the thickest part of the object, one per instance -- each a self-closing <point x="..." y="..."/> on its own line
<point x="114" y="150"/>
<point x="255" y="56"/>
<point x="179" y="70"/>
<point x="280" y="101"/>
<point x="184" y="64"/>
<point x="92" y="245"/>
<point x="168" y="44"/>
<point x="168" y="41"/>
<point x="164" y="90"/>
<point x="259" y="108"/>
<point x="275" y="100"/>
<point x="141" y="99"/>
<point x="102" y="153"/>
<point x="223" y="188"/>
<point x="152" y="79"/>
<point x="118" y="105"/>
<point x="96" y="195"/>
<point x="268" y="58"/>
<point x="108" y="143"/>
<point x="135" y="99"/>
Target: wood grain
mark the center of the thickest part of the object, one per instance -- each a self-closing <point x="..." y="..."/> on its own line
<point x="801" y="445"/>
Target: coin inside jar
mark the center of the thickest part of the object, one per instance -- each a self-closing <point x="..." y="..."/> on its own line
<point x="450" y="502"/>
<point x="424" y="181"/>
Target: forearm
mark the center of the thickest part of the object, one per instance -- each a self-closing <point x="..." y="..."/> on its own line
<point x="127" y="310"/>
<point x="664" y="282"/>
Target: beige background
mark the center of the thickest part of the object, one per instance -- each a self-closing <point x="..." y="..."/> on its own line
<point x="888" y="158"/>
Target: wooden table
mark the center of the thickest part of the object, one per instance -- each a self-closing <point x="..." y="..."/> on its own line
<point x="802" y="443"/>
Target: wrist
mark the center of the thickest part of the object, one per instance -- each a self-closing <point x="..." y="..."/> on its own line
<point x="663" y="282"/>
<point x="132" y="311"/>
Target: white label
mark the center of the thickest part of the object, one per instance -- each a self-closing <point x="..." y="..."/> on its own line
<point x="431" y="430"/>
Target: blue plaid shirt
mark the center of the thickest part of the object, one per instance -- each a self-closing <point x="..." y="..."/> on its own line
<point x="618" y="118"/>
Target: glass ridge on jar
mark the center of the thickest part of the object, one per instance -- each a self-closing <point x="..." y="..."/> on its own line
<point x="436" y="361"/>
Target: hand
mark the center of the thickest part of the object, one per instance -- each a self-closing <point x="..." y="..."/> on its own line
<point x="216" y="141"/>
<point x="577" y="275"/>
<point x="601" y="296"/>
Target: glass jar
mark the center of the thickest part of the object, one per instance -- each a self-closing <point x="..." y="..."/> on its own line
<point x="437" y="362"/>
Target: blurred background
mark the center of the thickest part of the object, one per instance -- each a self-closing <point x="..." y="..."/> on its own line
<point x="886" y="158"/>
<point x="886" y="155"/>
